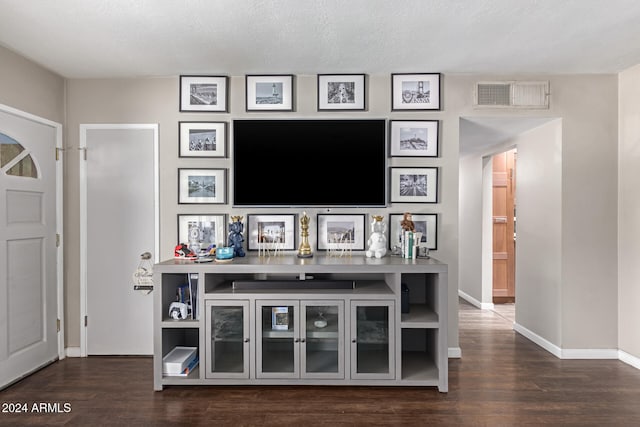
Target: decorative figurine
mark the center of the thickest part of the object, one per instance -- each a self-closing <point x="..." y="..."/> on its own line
<point x="407" y="222"/>
<point x="235" y="236"/>
<point x="377" y="240"/>
<point x="304" y="250"/>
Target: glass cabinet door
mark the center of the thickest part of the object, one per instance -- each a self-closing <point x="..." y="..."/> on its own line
<point x="322" y="342"/>
<point x="372" y="340"/>
<point x="227" y="335"/>
<point x="278" y="339"/>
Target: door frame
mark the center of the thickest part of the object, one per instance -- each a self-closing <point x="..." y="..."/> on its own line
<point x="59" y="218"/>
<point x="82" y="146"/>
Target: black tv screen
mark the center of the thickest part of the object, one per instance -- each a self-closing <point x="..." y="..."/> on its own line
<point x="300" y="162"/>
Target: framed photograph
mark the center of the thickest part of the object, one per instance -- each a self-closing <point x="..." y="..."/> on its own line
<point x="202" y="186"/>
<point x="427" y="224"/>
<point x="341" y="92"/>
<point x="415" y="91"/>
<point x="414" y="185"/>
<point x="418" y="138"/>
<point x="271" y="232"/>
<point x="202" y="139"/>
<point x="205" y="229"/>
<point x="269" y="92"/>
<point x="336" y="231"/>
<point x="203" y="93"/>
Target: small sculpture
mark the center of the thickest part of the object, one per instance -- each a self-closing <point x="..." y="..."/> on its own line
<point x="235" y="236"/>
<point x="377" y="240"/>
<point x="407" y="222"/>
<point x="304" y="250"/>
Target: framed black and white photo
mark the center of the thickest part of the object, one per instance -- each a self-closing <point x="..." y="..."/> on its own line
<point x="269" y="92"/>
<point x="202" y="139"/>
<point x="413" y="138"/>
<point x="341" y="92"/>
<point x="414" y="185"/>
<point x="203" y="93"/>
<point x="271" y="232"/>
<point x="341" y="232"/>
<point x="202" y="186"/>
<point x="415" y="91"/>
<point x="427" y="224"/>
<point x="206" y="230"/>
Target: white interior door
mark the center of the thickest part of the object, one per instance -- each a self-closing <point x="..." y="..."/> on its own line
<point x="119" y="193"/>
<point x="28" y="250"/>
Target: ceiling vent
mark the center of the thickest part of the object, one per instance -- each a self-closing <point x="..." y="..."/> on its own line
<point x="511" y="94"/>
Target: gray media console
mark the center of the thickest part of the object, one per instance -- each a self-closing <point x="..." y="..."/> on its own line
<point x="321" y="320"/>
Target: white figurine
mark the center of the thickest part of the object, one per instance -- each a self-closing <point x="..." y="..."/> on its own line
<point x="377" y="240"/>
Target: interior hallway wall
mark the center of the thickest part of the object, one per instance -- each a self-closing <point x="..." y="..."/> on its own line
<point x="629" y="214"/>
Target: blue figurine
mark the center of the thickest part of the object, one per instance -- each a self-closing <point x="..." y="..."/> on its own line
<point x="235" y="236"/>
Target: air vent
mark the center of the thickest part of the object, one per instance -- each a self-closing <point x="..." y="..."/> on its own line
<point x="512" y="94"/>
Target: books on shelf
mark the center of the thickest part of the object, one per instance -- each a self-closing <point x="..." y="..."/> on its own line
<point x="410" y="243"/>
<point x="178" y="360"/>
<point x="187" y="370"/>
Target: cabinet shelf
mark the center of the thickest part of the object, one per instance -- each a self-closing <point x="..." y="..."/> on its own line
<point x="170" y="323"/>
<point x="418" y="367"/>
<point x="419" y="316"/>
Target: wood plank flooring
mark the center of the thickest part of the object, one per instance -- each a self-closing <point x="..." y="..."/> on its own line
<point x="502" y="379"/>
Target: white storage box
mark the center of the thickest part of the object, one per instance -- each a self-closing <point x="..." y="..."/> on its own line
<point x="177" y="360"/>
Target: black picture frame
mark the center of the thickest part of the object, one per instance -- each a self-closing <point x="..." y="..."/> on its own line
<point x="415" y="91"/>
<point x="204" y="94"/>
<point x="202" y="186"/>
<point x="413" y="184"/>
<point x="341" y="92"/>
<point x="202" y="139"/>
<point x="414" y="138"/>
<point x="269" y="92"/>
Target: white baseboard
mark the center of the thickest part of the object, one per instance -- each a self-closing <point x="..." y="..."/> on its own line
<point x="547" y="345"/>
<point x="455" y="352"/>
<point x="568" y="353"/>
<point x="73" y="351"/>
<point x="629" y="359"/>
<point x="471" y="300"/>
<point x="589" y="353"/>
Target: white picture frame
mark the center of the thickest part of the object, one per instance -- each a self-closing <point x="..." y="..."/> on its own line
<point x="340" y="92"/>
<point x="414" y="185"/>
<point x="202" y="186"/>
<point x="203" y="94"/>
<point x="202" y="139"/>
<point x="413" y="138"/>
<point x="269" y="92"/>
<point x="415" y="91"/>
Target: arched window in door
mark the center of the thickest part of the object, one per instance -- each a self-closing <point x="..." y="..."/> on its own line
<point x="15" y="160"/>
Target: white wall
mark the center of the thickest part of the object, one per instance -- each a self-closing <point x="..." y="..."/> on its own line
<point x="155" y="100"/>
<point x="538" y="235"/>
<point x="470" y="227"/>
<point x="629" y="213"/>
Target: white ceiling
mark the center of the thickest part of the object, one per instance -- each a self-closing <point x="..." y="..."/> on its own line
<point x="135" y="38"/>
<point x="140" y="38"/>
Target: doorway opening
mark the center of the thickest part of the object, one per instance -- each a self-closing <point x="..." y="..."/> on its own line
<point x="504" y="232"/>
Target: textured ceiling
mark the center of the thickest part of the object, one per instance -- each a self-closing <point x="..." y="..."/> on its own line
<point x="135" y="38"/>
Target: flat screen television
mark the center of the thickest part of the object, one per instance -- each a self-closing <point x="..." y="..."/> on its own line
<point x="302" y="162"/>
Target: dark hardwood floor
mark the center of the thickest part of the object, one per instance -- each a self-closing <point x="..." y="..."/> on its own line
<point x="502" y="379"/>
